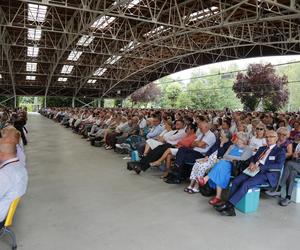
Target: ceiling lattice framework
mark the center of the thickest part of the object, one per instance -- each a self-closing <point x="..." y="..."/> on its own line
<point x="111" y="48"/>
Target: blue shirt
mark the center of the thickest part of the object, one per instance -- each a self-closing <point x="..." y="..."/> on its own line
<point x="155" y="131"/>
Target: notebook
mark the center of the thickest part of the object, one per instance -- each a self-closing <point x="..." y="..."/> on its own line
<point x="251" y="173"/>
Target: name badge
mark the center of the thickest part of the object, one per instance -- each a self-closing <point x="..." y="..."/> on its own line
<point x="271" y="158"/>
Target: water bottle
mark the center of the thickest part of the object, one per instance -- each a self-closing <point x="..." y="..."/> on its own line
<point x="135" y="155"/>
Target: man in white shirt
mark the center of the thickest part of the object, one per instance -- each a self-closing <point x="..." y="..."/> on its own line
<point x="13" y="178"/>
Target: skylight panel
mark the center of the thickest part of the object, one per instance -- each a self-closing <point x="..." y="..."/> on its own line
<point x="103" y="22"/>
<point x="31" y="67"/>
<point x="34" y="34"/>
<point x="74" y="55"/>
<point x="112" y="60"/>
<point x="32" y="51"/>
<point x="130" y="46"/>
<point x="92" y="81"/>
<point x="36" y="13"/>
<point x="62" y="79"/>
<point x="67" y="69"/>
<point x="195" y="16"/>
<point x="31" y="78"/>
<point x="129" y="4"/>
<point x="85" y="40"/>
<point x="156" y="31"/>
<point x="100" y="71"/>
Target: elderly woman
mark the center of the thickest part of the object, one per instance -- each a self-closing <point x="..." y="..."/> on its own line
<point x="185" y="142"/>
<point x="284" y="142"/>
<point x="161" y="139"/>
<point x="219" y="176"/>
<point x="258" y="140"/>
<point x="202" y="165"/>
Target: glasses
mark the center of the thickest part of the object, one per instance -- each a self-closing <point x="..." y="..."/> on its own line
<point x="271" y="136"/>
<point x="260" y="129"/>
<point x="282" y="134"/>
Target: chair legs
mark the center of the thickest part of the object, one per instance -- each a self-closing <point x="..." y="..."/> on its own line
<point x="11" y="234"/>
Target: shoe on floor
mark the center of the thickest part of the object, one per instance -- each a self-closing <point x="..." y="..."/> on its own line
<point x="285" y="202"/>
<point x="229" y="211"/>
<point x="273" y="193"/>
<point x="214" y="201"/>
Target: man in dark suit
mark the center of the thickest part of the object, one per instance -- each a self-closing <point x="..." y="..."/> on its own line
<point x="266" y="158"/>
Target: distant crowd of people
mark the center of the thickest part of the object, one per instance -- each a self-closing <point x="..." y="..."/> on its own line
<point x="13" y="172"/>
<point x="210" y="148"/>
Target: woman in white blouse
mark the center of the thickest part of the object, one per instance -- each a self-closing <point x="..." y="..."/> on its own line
<point x="258" y="140"/>
<point x="161" y="139"/>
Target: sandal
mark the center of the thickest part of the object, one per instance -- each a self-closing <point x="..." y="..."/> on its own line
<point x="187" y="189"/>
<point x="154" y="164"/>
<point x="193" y="191"/>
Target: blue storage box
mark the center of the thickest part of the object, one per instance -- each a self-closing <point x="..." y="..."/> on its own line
<point x="249" y="203"/>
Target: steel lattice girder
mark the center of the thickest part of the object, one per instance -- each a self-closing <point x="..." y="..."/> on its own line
<point x="223" y="30"/>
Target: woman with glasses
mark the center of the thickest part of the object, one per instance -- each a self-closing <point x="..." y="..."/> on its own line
<point x="258" y="140"/>
<point x="284" y="142"/>
<point x="219" y="176"/>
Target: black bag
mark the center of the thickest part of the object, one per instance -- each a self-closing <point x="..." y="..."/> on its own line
<point x="207" y="191"/>
<point x="132" y="164"/>
<point x="239" y="166"/>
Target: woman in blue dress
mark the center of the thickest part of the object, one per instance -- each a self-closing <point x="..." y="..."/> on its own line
<point x="219" y="176"/>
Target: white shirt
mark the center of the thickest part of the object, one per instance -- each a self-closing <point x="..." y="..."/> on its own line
<point x="256" y="143"/>
<point x="21" y="155"/>
<point x="175" y="137"/>
<point x="13" y="184"/>
<point x="143" y="123"/>
<point x="209" y="138"/>
<point x="263" y="160"/>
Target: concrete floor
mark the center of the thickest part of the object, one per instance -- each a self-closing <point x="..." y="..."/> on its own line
<point x="82" y="197"/>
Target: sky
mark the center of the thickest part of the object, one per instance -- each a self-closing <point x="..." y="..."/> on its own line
<point x="241" y="63"/>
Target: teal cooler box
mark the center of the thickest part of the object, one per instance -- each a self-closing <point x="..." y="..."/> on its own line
<point x="249" y="203"/>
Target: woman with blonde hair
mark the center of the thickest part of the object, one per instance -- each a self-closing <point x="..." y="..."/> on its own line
<point x="219" y="176"/>
<point x="283" y="141"/>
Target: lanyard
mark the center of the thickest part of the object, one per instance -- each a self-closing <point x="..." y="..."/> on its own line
<point x="8" y="163"/>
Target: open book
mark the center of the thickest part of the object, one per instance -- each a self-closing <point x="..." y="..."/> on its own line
<point x="251" y="173"/>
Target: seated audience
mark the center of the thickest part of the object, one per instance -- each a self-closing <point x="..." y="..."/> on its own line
<point x="203" y="165"/>
<point x="185" y="142"/>
<point x="219" y="176"/>
<point x="262" y="163"/>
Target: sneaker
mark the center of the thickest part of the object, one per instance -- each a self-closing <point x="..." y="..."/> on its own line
<point x="285" y="202"/>
<point x="118" y="145"/>
<point x="125" y="146"/>
<point x="273" y="193"/>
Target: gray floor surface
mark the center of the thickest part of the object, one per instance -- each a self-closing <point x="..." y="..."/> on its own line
<point x="82" y="197"/>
